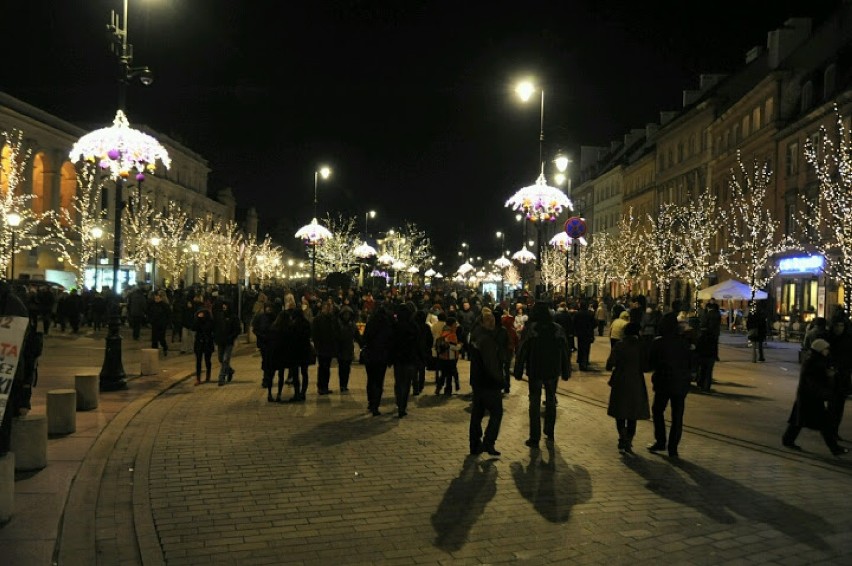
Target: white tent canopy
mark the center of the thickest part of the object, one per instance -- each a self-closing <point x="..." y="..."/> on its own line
<point x="731" y="290"/>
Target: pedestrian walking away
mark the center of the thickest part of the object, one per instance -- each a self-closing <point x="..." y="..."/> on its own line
<point x="670" y="363"/>
<point x="226" y="329"/>
<point x="488" y="350"/>
<point x="543" y="355"/>
<point x="628" y="396"/>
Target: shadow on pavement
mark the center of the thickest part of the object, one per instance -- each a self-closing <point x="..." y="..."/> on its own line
<point x="464" y="501"/>
<point x="553" y="485"/>
<point x="721" y="498"/>
<point x="333" y="433"/>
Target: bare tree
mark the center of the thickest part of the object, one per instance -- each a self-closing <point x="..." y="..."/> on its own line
<point x="173" y="254"/>
<point x="660" y="254"/>
<point x="553" y="271"/>
<point x="599" y="266"/>
<point x="698" y="222"/>
<point x="137" y="221"/>
<point x="627" y="253"/>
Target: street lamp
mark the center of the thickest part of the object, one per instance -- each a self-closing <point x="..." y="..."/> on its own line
<point x="155" y="241"/>
<point x="314" y="234"/>
<point x="539" y="202"/>
<point x="97" y="234"/>
<point x="502" y="263"/>
<point x="194" y="248"/>
<point x="364" y="251"/>
<point x="13" y="220"/>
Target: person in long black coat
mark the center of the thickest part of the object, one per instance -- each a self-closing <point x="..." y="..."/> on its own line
<point x="275" y="342"/>
<point x="348" y="336"/>
<point x="628" y="396"/>
<point x="809" y="410"/>
<point x="378" y="334"/>
<point x="203" y="342"/>
<point x="670" y="359"/>
<point x="298" y="352"/>
<point x="584" y="330"/>
<point x="160" y="317"/>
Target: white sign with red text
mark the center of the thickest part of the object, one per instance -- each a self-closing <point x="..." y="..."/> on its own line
<point x="12" y="332"/>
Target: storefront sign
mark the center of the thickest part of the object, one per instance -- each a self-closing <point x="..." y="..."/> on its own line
<point x="803" y="264"/>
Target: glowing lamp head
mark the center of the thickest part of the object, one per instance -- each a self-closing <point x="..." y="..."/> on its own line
<point x="97" y="232"/>
<point x="525" y="90"/>
<point x="325" y="172"/>
<point x="155" y="241"/>
<point x="13" y="220"/>
<point x="561" y="162"/>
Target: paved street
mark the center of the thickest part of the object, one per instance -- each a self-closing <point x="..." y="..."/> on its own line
<point x="170" y="473"/>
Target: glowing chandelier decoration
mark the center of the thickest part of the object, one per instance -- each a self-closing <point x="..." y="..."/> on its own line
<point x="398" y="265"/>
<point x="314" y="233"/>
<point x="539" y="202"/>
<point x="386" y="259"/>
<point x="430" y="272"/>
<point x="413" y="269"/>
<point x="523" y="255"/>
<point x="120" y="149"/>
<point x="563" y="241"/>
<point x="439" y="275"/>
<point x="464" y="268"/>
<point x="502" y="263"/>
<point x="364" y="251"/>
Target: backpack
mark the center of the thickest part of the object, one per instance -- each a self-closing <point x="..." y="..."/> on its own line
<point x="441" y="345"/>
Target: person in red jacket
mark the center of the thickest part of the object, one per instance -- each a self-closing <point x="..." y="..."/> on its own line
<point x="507" y="321"/>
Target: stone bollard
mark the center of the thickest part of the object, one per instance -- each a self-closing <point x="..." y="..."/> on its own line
<point x="87" y="387"/>
<point x="61" y="411"/>
<point x="29" y="442"/>
<point x="150" y="361"/>
<point x="7" y="487"/>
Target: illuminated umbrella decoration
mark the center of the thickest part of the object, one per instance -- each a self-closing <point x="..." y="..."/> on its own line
<point x="439" y="275"/>
<point x="314" y="233"/>
<point x="413" y="269"/>
<point x="430" y="272"/>
<point x="120" y="149"/>
<point x="502" y="262"/>
<point x="523" y="255"/>
<point x="364" y="251"/>
<point x="464" y="268"/>
<point x="386" y="259"/>
<point x="539" y="202"/>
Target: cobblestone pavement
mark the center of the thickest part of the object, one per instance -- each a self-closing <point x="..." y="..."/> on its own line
<point x="208" y="474"/>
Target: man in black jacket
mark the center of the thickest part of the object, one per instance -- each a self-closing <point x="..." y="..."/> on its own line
<point x="584" y="330"/>
<point x="226" y="329"/>
<point x="489" y="348"/>
<point x="543" y="353"/>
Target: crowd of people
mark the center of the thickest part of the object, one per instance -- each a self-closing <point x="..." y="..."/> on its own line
<point x="415" y="331"/>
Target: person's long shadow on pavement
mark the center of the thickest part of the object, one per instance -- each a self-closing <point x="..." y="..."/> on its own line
<point x="553" y="486"/>
<point x="719" y="498"/>
<point x="332" y="433"/>
<point x="463" y="503"/>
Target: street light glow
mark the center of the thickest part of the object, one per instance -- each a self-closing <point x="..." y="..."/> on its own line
<point x="97" y="232"/>
<point x="155" y="241"/>
<point x="561" y="162"/>
<point x="325" y="172"/>
<point x="525" y="90"/>
<point x="560" y="178"/>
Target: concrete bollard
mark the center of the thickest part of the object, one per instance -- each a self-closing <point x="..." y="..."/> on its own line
<point x="29" y="442"/>
<point x="61" y="411"/>
<point x="7" y="487"/>
<point x="87" y="387"/>
<point x="150" y="361"/>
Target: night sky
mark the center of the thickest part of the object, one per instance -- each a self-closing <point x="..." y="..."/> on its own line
<point x="410" y="102"/>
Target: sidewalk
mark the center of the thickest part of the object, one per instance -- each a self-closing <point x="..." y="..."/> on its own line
<point x="170" y="473"/>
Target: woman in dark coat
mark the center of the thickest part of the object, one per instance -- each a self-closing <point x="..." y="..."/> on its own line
<point x="628" y="398"/>
<point x="815" y="388"/>
<point x="160" y="316"/>
<point x="274" y="339"/>
<point x="348" y="335"/>
<point x="297" y="353"/>
<point x="378" y="335"/>
<point x="203" y="344"/>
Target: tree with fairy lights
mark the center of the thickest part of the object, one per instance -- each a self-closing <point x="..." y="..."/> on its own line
<point x="229" y="242"/>
<point x="262" y="259"/>
<point x="698" y="222"/>
<point x="337" y="253"/>
<point x="136" y="227"/>
<point x="173" y="254"/>
<point x="71" y="232"/>
<point x="412" y="246"/>
<point x="753" y="234"/>
<point x="825" y="219"/>
<point x="627" y="251"/>
<point x="204" y="237"/>
<point x="552" y="267"/>
<point x="26" y="236"/>
<point x="600" y="265"/>
<point x="660" y="254"/>
<point x="512" y="276"/>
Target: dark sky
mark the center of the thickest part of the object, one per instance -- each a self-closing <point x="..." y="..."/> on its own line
<point x="410" y="102"/>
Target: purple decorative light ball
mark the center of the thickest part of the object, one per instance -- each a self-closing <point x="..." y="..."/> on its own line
<point x="113" y="154"/>
<point x="140" y="177"/>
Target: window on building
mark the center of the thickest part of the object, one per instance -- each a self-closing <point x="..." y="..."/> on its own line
<point x="807" y="96"/>
<point x="679" y="152"/>
<point x="662" y="164"/>
<point x="755" y="119"/>
<point x="814" y="140"/>
<point x="746" y="125"/>
<point x="792" y="166"/>
<point x="768" y="109"/>
<point x="737" y="135"/>
<point x="691" y="146"/>
<point x="828" y="81"/>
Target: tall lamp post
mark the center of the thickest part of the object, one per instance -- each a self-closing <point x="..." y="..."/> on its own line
<point x="502" y="264"/>
<point x="155" y="242"/>
<point x="314" y="234"/>
<point x="97" y="234"/>
<point x="540" y="202"/>
<point x="13" y="220"/>
<point x="364" y="251"/>
<point x="120" y="150"/>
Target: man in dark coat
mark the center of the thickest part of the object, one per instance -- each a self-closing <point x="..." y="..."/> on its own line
<point x="584" y="330"/>
<point x="543" y="353"/>
<point x="756" y="326"/>
<point x="565" y="319"/>
<point x="405" y="355"/>
<point x="840" y="339"/>
<point x="670" y="361"/>
<point x="487" y="354"/>
<point x="376" y="350"/>
<point x="137" y="308"/>
<point x="628" y="397"/>
<point x="814" y="390"/>
<point x="226" y="329"/>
